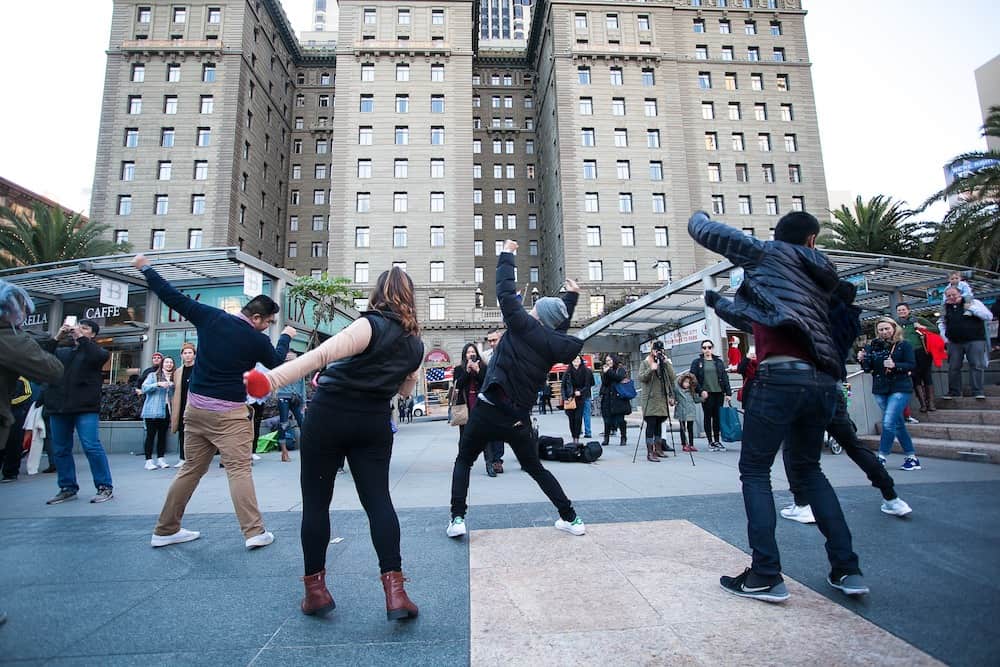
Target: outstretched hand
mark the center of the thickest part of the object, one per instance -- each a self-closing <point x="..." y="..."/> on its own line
<point x="510" y="246"/>
<point x="711" y="298"/>
<point x="257" y="383"/>
<point x="289" y="331"/>
<point x="140" y="261"/>
<point x="572" y="286"/>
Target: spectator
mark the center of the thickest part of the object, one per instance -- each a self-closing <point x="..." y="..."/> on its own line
<point x="20" y="402"/>
<point x="587" y="394"/>
<point x="962" y="326"/>
<point x="494" y="448"/>
<point x="715" y="389"/>
<point x="574" y="383"/>
<point x="686" y="395"/>
<point x="613" y="407"/>
<point x="181" y="379"/>
<point x="159" y="390"/>
<point x="657" y="378"/>
<point x="955" y="280"/>
<point x="914" y="332"/>
<point x="469" y="377"/>
<point x="291" y="398"/>
<point x="74" y="403"/>
<point x="890" y="360"/>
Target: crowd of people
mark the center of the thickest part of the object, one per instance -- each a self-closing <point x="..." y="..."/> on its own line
<point x="801" y="315"/>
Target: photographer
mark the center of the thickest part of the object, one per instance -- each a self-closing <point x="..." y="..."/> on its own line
<point x="890" y="360"/>
<point x="469" y="377"/>
<point x="657" y="377"/>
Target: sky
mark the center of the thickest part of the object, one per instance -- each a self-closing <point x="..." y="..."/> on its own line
<point x="894" y="80"/>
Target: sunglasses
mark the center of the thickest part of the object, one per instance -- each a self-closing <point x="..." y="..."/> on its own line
<point x="707" y="347"/>
<point x="493" y="341"/>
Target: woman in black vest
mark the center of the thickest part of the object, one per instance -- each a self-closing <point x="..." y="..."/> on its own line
<point x="366" y="364"/>
<point x="713" y="385"/>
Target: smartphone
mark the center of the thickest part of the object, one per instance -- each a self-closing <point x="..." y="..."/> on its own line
<point x="70" y="321"/>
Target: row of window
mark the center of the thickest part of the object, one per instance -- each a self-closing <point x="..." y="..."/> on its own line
<point x="495" y="79"/>
<point x="504" y="146"/>
<point x="168" y="135"/>
<point x="178" y="14"/>
<point x="367" y="104"/>
<point x="626" y="202"/>
<point x="731" y="81"/>
<point x="581" y="21"/>
<point x="498" y="219"/>
<point x="318" y="223"/>
<point x="739" y="144"/>
<point x="164" y="170"/>
<point x="630" y="270"/>
<point x="171" y="104"/>
<point x="320" y="170"/>
<point x="363" y="202"/>
<point x="498" y="196"/>
<point x="402" y="72"/>
<point x="477" y="250"/>
<point x="588" y="137"/>
<point x="295" y="197"/>
<point x="586" y="106"/>
<point x="623" y="170"/>
<point x="400" y="237"/>
<point x="158" y="238"/>
<point x="661" y="238"/>
<point x="743" y="173"/>
<point x="404" y="16"/>
<point x="745" y="4"/>
<point x="507" y="124"/>
<point x="506" y="100"/>
<point x="316" y="249"/>
<point x="749" y="27"/>
<point x="616" y="76"/>
<point x="161" y="204"/>
<point x="728" y="53"/>
<point x="173" y="73"/>
<point x="745" y="203"/>
<point x="736" y="111"/>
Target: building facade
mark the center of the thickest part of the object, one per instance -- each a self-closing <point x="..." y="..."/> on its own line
<point x="415" y="136"/>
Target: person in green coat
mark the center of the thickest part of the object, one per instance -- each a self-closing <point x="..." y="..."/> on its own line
<point x="657" y="377"/>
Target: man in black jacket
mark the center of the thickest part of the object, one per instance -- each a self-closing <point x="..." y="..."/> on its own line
<point x="785" y="301"/>
<point x="519" y="365"/>
<point x="75" y="404"/>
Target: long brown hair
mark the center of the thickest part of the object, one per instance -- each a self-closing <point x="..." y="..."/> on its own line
<point x="393" y="292"/>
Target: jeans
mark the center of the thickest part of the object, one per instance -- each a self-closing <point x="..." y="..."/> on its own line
<point x="586" y="417"/>
<point x="893" y="426"/>
<point x="156" y="429"/>
<point x="284" y="410"/>
<point x="486" y="423"/>
<point x="843" y="430"/>
<point x="794" y="407"/>
<point x="975" y="352"/>
<point x="62" y="448"/>
<point x="575" y="417"/>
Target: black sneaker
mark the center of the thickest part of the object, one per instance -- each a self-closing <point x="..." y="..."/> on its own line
<point x="749" y="585"/>
<point x="61" y="497"/>
<point x="104" y="494"/>
<point x="850" y="584"/>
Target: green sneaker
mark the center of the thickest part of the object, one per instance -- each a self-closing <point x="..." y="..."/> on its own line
<point x="457" y="527"/>
<point x="575" y="527"/>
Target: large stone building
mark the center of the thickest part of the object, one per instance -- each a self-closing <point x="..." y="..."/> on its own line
<point x="411" y="138"/>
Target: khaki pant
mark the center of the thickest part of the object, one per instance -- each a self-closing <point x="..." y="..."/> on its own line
<point x="204" y="431"/>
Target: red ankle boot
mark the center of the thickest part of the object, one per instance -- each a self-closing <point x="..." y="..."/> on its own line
<point x="318" y="599"/>
<point x="398" y="605"/>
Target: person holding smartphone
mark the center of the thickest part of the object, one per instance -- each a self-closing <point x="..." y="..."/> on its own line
<point x="469" y="378"/>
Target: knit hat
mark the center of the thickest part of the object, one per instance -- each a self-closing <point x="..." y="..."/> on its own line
<point x="551" y="311"/>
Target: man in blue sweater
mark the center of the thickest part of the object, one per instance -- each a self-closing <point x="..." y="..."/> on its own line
<point x="216" y="415"/>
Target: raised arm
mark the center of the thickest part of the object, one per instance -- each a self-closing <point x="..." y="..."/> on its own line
<point x="731" y="243"/>
<point x="185" y="306"/>
<point x="514" y="315"/>
<point x="352" y="340"/>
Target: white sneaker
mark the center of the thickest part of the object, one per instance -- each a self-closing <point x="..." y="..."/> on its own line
<point x="803" y="514"/>
<point x="912" y="420"/>
<point x="181" y="535"/>
<point x="162" y="462"/>
<point x="254" y="457"/>
<point x="574" y="527"/>
<point x="179" y="463"/>
<point x="457" y="527"/>
<point x="261" y="540"/>
<point x="150" y="465"/>
<point x="896" y="507"/>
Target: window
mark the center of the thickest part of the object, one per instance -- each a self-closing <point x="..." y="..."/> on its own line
<point x="293" y="223"/>
<point x="437" y="17"/>
<point x="367" y="104"/>
<point x="756" y="82"/>
<point x="580" y="21"/>
<point x="779" y="55"/>
<point x="399" y="237"/>
<point x="798" y="204"/>
<point x="365" y="136"/>
<point x="214" y="15"/>
<point x="477" y="248"/>
<point x="701" y="52"/>
<point x="630" y="270"/>
<point x="294" y="196"/>
<point x="727" y="53"/>
<point x="319" y="197"/>
<point x="772" y="205"/>
<point x="321" y="146"/>
<point x="532" y="221"/>
<point x="170" y="104"/>
<point x="367" y="72"/>
<point x="477" y="221"/>
<point x="495" y="101"/>
<point x="618" y="106"/>
<point x="180" y="14"/>
<point x="477" y="196"/>
<point x="595" y="270"/>
<point x="624" y="202"/>
<point x="293" y="249"/>
<point x="402" y="135"/>
<point x="611" y="21"/>
<point x="655" y="170"/>
<point x="714" y="172"/>
<point x="437" y="239"/>
<point x="437" y="202"/>
<point x="207" y="104"/>
<point x="399" y="202"/>
<point x="738" y="144"/>
<point x="498" y="247"/>
<point x="121" y="236"/>
<point x="437" y="136"/>
<point x="590" y="202"/>
<point x="403" y="17"/>
<point x="529" y="146"/>
<point x="767" y="172"/>
<point x="660" y="237"/>
<point x="128" y="171"/>
<point x="364" y="202"/>
<point x="776" y="28"/>
<point x="786" y="112"/>
<point x="659" y="202"/>
<point x="437" y="103"/>
<point x="138" y="73"/>
<point x="698" y="25"/>
<point x="650" y="107"/>
<point x="745" y="207"/>
<point x="164" y="168"/>
<point x="437" y="73"/>
<point x="593" y="236"/>
<point x="589" y="170"/>
<point x="158" y="239"/>
<point x="749" y="27"/>
<point x="370" y="16"/>
<point x="705" y="80"/>
<point x="586" y="106"/>
<point x="323" y="101"/>
<point x="297" y="146"/>
<point x="300" y="100"/>
<point x="437" y="272"/>
<point x="596" y="305"/>
<point x="760" y="111"/>
<point x="319" y="171"/>
<point x="718" y="204"/>
<point x="144" y="15"/>
<point x="794" y="173"/>
<point x="623" y="170"/>
<point x="529" y="101"/>
<point x="648" y="78"/>
<point x="498" y="196"/>
<point x="782" y="82"/>
<point x="529" y="171"/>
<point x="731" y="82"/>
<point x="663" y="270"/>
<point x="652" y="138"/>
<point x="617" y="78"/>
<point x="197" y="204"/>
<point x="436" y="308"/>
<point x="316" y="249"/>
<point x="764" y="142"/>
<point x="587" y="137"/>
<point x="583" y="75"/>
<point x="508" y="102"/>
<point x="735" y="113"/>
<point x="437" y="168"/>
<point x="711" y="141"/>
<point x="742" y="173"/>
<point x="753" y="54"/>
<point x="707" y="111"/>
<point x="204" y="136"/>
<point x="162" y="205"/>
<point x="361" y="272"/>
<point x="791" y="143"/>
<point x="628" y="236"/>
<point x="642" y="21"/>
<point x="402" y="72"/>
<point x="125" y="205"/>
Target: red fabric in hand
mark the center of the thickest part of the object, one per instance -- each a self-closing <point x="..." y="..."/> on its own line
<point x="257" y="384"/>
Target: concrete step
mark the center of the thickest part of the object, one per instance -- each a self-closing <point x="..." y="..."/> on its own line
<point x="950" y="431"/>
<point x="967" y="403"/>
<point x="982" y="452"/>
<point x="987" y="417"/>
<point x="992" y="390"/>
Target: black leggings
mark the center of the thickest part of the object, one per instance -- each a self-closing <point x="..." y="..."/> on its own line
<point x="711" y="407"/>
<point x="335" y="430"/>
<point x="687" y="433"/>
<point x="156" y="428"/>
<point x="654" y="426"/>
<point x="575" y="417"/>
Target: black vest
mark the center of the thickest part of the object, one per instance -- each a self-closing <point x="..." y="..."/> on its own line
<point x="376" y="373"/>
<point x="962" y="328"/>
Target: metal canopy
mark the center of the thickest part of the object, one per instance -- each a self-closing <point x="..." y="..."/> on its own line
<point x="79" y="278"/>
<point x="889" y="280"/>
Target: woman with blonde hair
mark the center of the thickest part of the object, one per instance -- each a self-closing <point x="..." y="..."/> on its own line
<point x="890" y="360"/>
<point x="349" y="417"/>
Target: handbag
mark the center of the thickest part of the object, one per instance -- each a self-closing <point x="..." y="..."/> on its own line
<point x="625" y="389"/>
<point x="569" y="403"/>
<point x="729" y="424"/>
<point x="459" y="415"/>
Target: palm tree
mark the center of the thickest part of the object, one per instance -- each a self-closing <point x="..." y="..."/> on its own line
<point x="970" y="231"/>
<point x="51" y="236"/>
<point x="876" y="226"/>
<point x="325" y="294"/>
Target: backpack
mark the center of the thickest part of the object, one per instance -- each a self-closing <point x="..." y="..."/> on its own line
<point x="548" y="446"/>
<point x="590" y="451"/>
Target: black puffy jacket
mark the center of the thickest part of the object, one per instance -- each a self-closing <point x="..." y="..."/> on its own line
<point x="698" y="370"/>
<point x="521" y="361"/>
<point x="79" y="390"/>
<point x="784" y="285"/>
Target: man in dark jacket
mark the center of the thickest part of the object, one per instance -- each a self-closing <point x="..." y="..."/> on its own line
<point x="785" y="300"/>
<point x="74" y="403"/>
<point x="519" y="365"/>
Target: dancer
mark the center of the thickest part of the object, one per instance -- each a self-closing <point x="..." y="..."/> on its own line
<point x="217" y="415"/>
<point x="158" y="388"/>
<point x="520" y="364"/>
<point x="366" y="364"/>
<point x="793" y="395"/>
<point x="657" y="377"/>
<point x="181" y="379"/>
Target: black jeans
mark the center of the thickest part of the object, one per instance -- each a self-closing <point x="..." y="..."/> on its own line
<point x="687" y="433"/>
<point x="575" y="417"/>
<point x="711" y="406"/>
<point x="335" y="430"/>
<point x="794" y="407"/>
<point x="180" y="439"/>
<point x="488" y="423"/>
<point x="14" y="442"/>
<point x="156" y="427"/>
<point x="654" y="427"/>
<point x="845" y="432"/>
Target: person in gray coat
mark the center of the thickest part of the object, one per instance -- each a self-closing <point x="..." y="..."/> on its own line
<point x="687" y="397"/>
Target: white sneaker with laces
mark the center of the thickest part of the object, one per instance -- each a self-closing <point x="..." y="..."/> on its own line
<point x="574" y="527"/>
<point x="457" y="527"/>
<point x="181" y="535"/>
<point x="150" y="465"/>
<point x="261" y="540"/>
<point x="896" y="507"/>
<point x="162" y="462"/>
<point x="802" y="514"/>
<point x="179" y="463"/>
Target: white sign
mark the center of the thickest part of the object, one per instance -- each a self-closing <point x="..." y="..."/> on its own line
<point x="253" y="281"/>
<point x="688" y="334"/>
<point x="114" y="293"/>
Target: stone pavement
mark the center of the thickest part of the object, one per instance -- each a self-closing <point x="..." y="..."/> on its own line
<point x="82" y="585"/>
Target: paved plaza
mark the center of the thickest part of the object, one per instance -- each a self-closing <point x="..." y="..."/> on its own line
<point x="83" y="587"/>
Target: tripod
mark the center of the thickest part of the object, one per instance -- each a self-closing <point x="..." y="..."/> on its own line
<point x="661" y="376"/>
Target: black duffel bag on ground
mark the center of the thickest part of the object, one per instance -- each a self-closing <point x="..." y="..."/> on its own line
<point x="590" y="452"/>
<point x="548" y="446"/>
